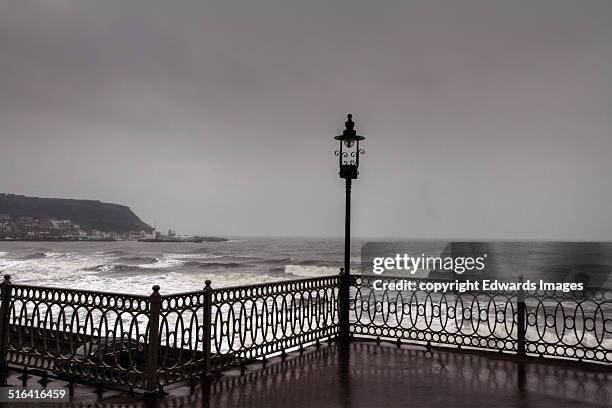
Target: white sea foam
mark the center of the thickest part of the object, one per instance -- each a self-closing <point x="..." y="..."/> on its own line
<point x="175" y="260"/>
<point x="55" y="254"/>
<point x="48" y="270"/>
<point x="162" y="262"/>
<point x="310" y="271"/>
<point x="95" y="271"/>
<point x="134" y="268"/>
<point x="169" y="282"/>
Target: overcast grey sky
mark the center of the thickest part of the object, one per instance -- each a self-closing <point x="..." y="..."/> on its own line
<point x="484" y="119"/>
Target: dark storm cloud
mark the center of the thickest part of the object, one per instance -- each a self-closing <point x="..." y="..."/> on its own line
<point x="485" y="119"/>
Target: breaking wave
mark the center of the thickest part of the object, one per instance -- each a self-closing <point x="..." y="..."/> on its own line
<point x="38" y="255"/>
<point x="41" y="255"/>
<point x="163" y="262"/>
<point x="106" y="268"/>
<point x="310" y="271"/>
<point x="137" y="260"/>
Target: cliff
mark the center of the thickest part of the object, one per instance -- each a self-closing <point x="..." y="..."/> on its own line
<point x="89" y="214"/>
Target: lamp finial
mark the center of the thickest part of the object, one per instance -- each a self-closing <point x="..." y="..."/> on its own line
<point x="349" y="124"/>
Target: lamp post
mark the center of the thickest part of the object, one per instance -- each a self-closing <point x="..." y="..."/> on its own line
<point x="348" y="161"/>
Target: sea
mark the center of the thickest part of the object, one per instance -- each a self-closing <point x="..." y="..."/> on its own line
<point x="134" y="267"/>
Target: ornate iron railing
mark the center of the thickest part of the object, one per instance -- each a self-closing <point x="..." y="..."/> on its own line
<point x="575" y="325"/>
<point x="83" y="334"/>
<point x="184" y="335"/>
<point x="108" y="338"/>
<point x="250" y="322"/>
<point x="242" y="324"/>
<point x="103" y="337"/>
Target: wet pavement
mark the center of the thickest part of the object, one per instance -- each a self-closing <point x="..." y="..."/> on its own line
<point x="372" y="375"/>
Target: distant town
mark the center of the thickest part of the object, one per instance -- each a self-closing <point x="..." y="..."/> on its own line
<point x="57" y="219"/>
<point x="28" y="228"/>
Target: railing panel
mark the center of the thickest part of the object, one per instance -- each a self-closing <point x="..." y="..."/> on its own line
<point x="181" y="328"/>
<point x="245" y="323"/>
<point x="570" y="325"/>
<point x="575" y="325"/>
<point x="254" y="321"/>
<point x="483" y="320"/>
<point x="91" y="336"/>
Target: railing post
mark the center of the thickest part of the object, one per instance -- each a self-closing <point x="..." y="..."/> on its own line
<point x="343" y="304"/>
<point x="206" y="348"/>
<point x="521" y="312"/>
<point x="5" y="308"/>
<point x="153" y="345"/>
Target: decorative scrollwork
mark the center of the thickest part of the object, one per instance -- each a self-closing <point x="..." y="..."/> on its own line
<point x="255" y="321"/>
<point x="181" y="327"/>
<point x="557" y="324"/>
<point x="89" y="335"/>
<point x="574" y="326"/>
